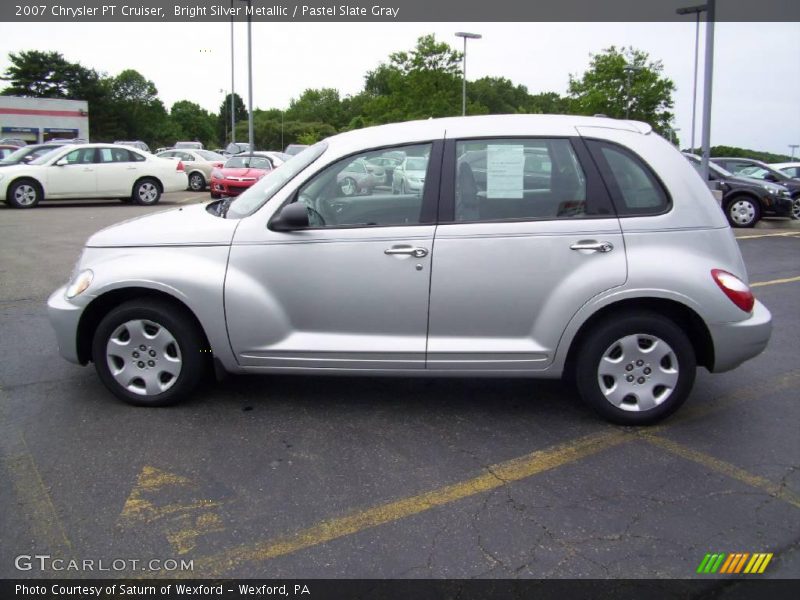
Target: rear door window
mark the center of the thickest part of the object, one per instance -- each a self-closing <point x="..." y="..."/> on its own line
<point x="519" y="179"/>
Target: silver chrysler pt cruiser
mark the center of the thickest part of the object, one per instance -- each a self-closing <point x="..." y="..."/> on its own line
<point x="527" y="246"/>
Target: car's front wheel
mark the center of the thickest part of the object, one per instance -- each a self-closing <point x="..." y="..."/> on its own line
<point x="743" y="212"/>
<point x="635" y="369"/>
<point x="23" y="194"/>
<point x="146" y="192"/>
<point x="148" y="353"/>
<point x="796" y="208"/>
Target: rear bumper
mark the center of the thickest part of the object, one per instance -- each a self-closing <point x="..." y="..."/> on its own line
<point x="737" y="342"/>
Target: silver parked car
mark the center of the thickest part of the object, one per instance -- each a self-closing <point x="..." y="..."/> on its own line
<point x="587" y="248"/>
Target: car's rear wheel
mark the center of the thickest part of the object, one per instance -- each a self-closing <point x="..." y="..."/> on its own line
<point x="146" y="192"/>
<point x="743" y="212"/>
<point x="148" y="353"/>
<point x="23" y="194"/>
<point x="635" y="369"/>
<point x="796" y="208"/>
<point x="197" y="183"/>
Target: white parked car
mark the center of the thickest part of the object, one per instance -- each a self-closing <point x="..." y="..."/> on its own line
<point x="91" y="171"/>
<point x="792" y="169"/>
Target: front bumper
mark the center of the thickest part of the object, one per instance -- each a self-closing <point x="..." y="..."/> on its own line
<point x="64" y="317"/>
<point x="225" y="187"/>
<point x="778" y="206"/>
<point x="737" y="342"/>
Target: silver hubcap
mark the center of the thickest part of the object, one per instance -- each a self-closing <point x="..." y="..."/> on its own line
<point x="742" y="212"/>
<point x="638" y="372"/>
<point x="796" y="208"/>
<point x="144" y="357"/>
<point x="25" y="195"/>
<point x="196" y="182"/>
<point x="148" y="192"/>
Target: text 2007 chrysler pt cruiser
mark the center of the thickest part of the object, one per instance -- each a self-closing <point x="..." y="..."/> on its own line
<point x="534" y="246"/>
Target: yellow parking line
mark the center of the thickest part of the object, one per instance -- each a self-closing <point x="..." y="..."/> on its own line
<point x="33" y="500"/>
<point x="710" y="462"/>
<point x="764" y="235"/>
<point x="775" y="282"/>
<point x="495" y="477"/>
<point x="216" y="565"/>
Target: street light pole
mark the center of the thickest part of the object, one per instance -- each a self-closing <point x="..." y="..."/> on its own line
<point x="629" y="70"/>
<point x="250" y="73"/>
<point x="233" y="110"/>
<point x="707" y="85"/>
<point x="793" y="147"/>
<point x="472" y="36"/>
<point x="696" y="10"/>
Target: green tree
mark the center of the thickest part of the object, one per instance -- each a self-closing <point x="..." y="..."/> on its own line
<point x="139" y="112"/>
<point x="320" y="105"/>
<point x="39" y="75"/>
<point x="499" y="95"/>
<point x="422" y="83"/>
<point x="193" y="122"/>
<point x="224" y="118"/>
<point x="604" y="88"/>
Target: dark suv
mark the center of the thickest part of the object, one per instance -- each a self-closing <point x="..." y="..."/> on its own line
<point x="746" y="200"/>
<point x="755" y="169"/>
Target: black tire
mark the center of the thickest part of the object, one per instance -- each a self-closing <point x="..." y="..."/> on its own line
<point x="187" y="348"/>
<point x="23" y="194"/>
<point x="657" y="389"/>
<point x="743" y="211"/>
<point x="197" y="183"/>
<point x="215" y="196"/>
<point x="146" y="192"/>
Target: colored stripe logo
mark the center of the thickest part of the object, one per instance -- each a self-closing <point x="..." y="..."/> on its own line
<point x="734" y="563"/>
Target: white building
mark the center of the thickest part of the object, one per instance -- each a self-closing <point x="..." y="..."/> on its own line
<point x="42" y="119"/>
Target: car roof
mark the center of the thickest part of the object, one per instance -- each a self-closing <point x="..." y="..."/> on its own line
<point x="479" y="126"/>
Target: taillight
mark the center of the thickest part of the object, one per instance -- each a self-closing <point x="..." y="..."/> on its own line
<point x="735" y="289"/>
<point x="180" y="168"/>
<point x="218" y="165"/>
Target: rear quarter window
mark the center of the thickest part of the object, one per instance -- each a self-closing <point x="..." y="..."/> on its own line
<point x="635" y="188"/>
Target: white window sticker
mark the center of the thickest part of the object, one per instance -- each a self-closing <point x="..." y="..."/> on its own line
<point x="505" y="165"/>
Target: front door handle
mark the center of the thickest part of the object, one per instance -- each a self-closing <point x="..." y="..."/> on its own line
<point x="592" y="246"/>
<point x="407" y="250"/>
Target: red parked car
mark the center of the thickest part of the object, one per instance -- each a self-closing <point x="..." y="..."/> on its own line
<point x="238" y="174"/>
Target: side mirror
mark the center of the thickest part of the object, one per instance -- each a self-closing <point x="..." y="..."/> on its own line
<point x="291" y="217"/>
<point x="61" y="162"/>
<point x="770" y="177"/>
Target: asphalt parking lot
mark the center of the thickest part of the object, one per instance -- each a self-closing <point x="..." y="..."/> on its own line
<point x="339" y="477"/>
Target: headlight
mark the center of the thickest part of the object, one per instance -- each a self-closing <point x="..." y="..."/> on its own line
<point x="80" y="283"/>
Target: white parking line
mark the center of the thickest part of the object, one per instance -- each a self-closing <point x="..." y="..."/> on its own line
<point x="763" y="235"/>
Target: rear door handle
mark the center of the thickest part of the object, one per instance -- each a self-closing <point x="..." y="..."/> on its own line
<point x="593" y="246"/>
<point x="407" y="250"/>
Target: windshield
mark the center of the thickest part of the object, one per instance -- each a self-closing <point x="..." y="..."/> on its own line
<point x="252" y="162"/>
<point x="43" y="158"/>
<point x="260" y="193"/>
<point x="208" y="155"/>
